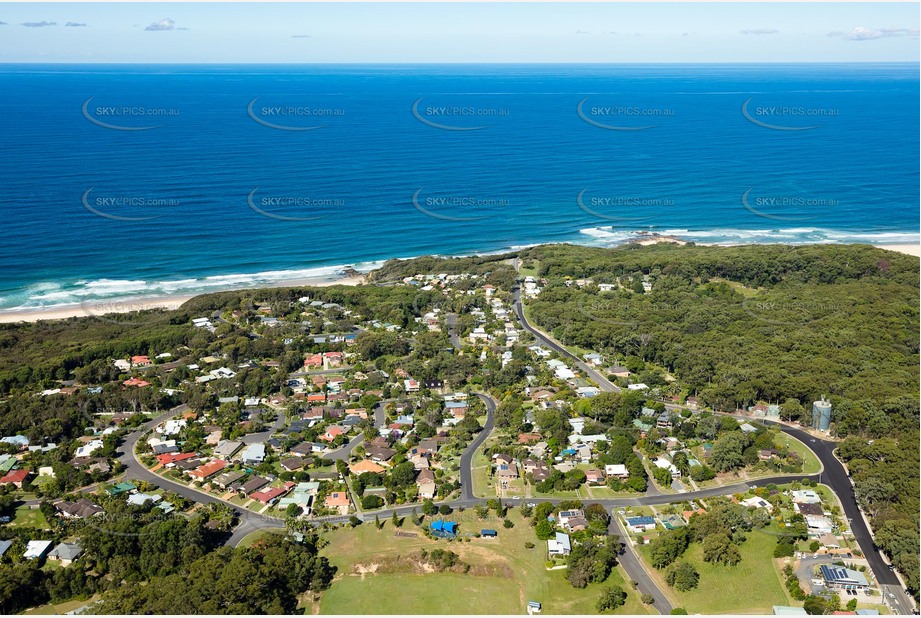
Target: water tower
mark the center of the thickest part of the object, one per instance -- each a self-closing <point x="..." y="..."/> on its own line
<point x="821" y="414"/>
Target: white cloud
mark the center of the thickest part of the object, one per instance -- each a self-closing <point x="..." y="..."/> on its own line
<point x="73" y="24"/>
<point x="39" y="24"/>
<point x="164" y="24"/>
<point x="868" y="34"/>
<point x="759" y="31"/>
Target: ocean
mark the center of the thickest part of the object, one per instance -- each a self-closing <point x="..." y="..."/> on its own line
<point x="126" y="181"/>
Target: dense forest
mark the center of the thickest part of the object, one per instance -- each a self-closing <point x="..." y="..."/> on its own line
<point x="741" y="325"/>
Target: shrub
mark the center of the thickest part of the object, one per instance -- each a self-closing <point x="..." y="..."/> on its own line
<point x="611" y="599"/>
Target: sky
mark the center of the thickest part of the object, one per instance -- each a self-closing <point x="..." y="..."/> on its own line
<point x="464" y="33"/>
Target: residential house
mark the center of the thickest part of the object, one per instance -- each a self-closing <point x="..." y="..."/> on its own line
<point x="537" y="468"/>
<point x="640" y="524"/>
<point x="293" y="463"/>
<point x="227" y="479"/>
<point x="226" y="448"/>
<point x="168" y="460"/>
<point x="254" y="484"/>
<point x="507" y="471"/>
<point x="254" y="454"/>
<point x="65" y="553"/>
<point x="805" y="496"/>
<point x="80" y="509"/>
<point x="616" y="470"/>
<point x="332" y="432"/>
<point x="757" y="503"/>
<point x="338" y="500"/>
<point x="425" y="481"/>
<point x="564" y="516"/>
<point x="37" y="549"/>
<point x="207" y="470"/>
<point x="818" y="525"/>
<point x="559" y="545"/>
<point x="15" y="478"/>
<point x="121" y="488"/>
<point x="594" y="477"/>
<point x="270" y="495"/>
<point x="364" y="466"/>
<point x="804" y="508"/>
<point x="380" y="454"/>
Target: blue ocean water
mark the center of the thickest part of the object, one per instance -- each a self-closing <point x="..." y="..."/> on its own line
<point x="242" y="175"/>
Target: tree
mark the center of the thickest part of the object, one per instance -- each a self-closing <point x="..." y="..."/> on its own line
<point x="815" y="605"/>
<point x="444" y="509"/>
<point x="784" y="548"/>
<point x="508" y="523"/>
<point x="682" y="576"/>
<point x="378" y="523"/>
<point x="814" y="546"/>
<point x="719" y="549"/>
<point x="668" y="546"/>
<point x="544" y="530"/>
<point x="397" y="522"/>
<point x="647" y="599"/>
<point x="679" y="611"/>
<point x="727" y="451"/>
<point x="429" y="508"/>
<point x="611" y="599"/>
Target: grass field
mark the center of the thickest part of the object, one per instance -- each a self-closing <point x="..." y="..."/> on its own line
<point x="252" y="537"/>
<point x="29" y="518"/>
<point x="515" y="575"/>
<point x="52" y="609"/>
<point x="751" y="587"/>
<point x="811" y="464"/>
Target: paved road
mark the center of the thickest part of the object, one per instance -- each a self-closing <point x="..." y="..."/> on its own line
<point x="634" y="568"/>
<point x="262" y="436"/>
<point x="135" y="470"/>
<point x="548" y="341"/>
<point x="343" y="452"/>
<point x="833" y="475"/>
<point x="450" y="321"/>
<point x="466" y="461"/>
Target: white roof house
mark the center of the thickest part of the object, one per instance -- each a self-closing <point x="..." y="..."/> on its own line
<point x="805" y="496"/>
<point x="36" y="549"/>
<point x="637" y="387"/>
<point x="559" y="546"/>
<point x="88" y="449"/>
<point x="254" y="453"/>
<point x="173" y="426"/>
<point x="616" y="470"/>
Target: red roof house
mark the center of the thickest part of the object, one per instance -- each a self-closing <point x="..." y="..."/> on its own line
<point x="208" y="469"/>
<point x="15" y="477"/>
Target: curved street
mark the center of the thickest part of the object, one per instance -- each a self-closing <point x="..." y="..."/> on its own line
<point x="833" y="475"/>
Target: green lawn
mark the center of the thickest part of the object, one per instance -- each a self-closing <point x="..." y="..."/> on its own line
<point x="252" y="537"/>
<point x="514" y="575"/>
<point x="811" y="464"/>
<point x="420" y="594"/>
<point x="59" y="609"/>
<point x="751" y="587"/>
<point x="29" y="518"/>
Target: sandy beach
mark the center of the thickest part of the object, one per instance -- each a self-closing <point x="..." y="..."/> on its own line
<point x="102" y="307"/>
<point x="914" y="250"/>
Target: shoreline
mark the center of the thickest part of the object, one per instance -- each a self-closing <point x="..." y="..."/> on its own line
<point x="99" y="307"/>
